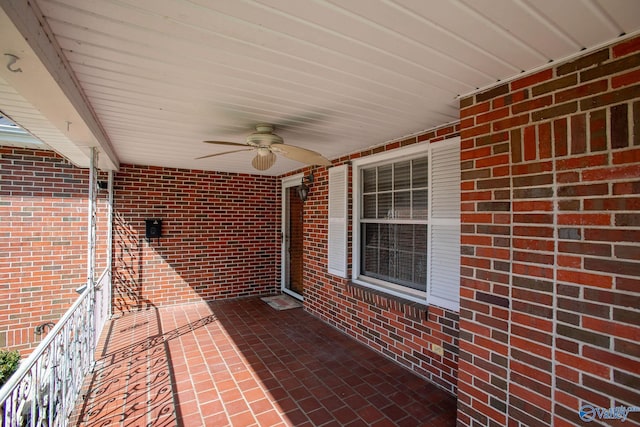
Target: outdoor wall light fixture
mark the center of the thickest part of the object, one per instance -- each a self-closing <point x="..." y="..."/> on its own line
<point x="303" y="188"/>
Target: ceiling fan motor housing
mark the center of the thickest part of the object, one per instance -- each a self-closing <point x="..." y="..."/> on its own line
<point x="264" y="136"/>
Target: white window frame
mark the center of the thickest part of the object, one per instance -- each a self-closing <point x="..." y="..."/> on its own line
<point x="387" y="157"/>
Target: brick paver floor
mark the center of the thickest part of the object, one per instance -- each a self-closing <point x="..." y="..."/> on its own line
<point x="242" y="363"/>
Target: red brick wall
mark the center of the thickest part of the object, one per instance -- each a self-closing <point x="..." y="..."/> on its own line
<point x="401" y="330"/>
<point x="220" y="236"/>
<point x="43" y="241"/>
<point x="550" y="294"/>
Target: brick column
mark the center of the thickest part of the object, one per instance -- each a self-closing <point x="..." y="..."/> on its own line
<point x="550" y="290"/>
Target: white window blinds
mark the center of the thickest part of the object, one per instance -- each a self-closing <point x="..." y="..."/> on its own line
<point x="337" y="233"/>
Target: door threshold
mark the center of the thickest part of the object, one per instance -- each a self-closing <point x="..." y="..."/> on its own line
<point x="293" y="294"/>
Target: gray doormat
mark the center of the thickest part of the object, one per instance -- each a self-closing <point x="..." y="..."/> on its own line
<point x="282" y="302"/>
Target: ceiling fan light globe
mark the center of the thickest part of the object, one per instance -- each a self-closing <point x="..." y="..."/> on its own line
<point x="263" y="163"/>
<point x="264" y="151"/>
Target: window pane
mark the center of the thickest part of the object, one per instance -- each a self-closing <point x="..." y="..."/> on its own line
<point x="420" y="238"/>
<point x="370" y="250"/>
<point x="384" y="178"/>
<point x="384" y="206"/>
<point x="371" y="234"/>
<point x="384" y="260"/>
<point x="401" y="175"/>
<point x="369" y="180"/>
<point x="370" y="262"/>
<point x="405" y="266"/>
<point x="402" y="204"/>
<point x="420" y="270"/>
<point x="404" y="239"/>
<point x="396" y="253"/>
<point x="369" y="206"/>
<point x="420" y="201"/>
<point x="420" y="169"/>
<point x="385" y="238"/>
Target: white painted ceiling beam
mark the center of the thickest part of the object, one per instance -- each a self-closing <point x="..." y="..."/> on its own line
<point x="47" y="85"/>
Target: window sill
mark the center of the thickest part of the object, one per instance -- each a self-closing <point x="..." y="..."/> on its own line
<point x="410" y="309"/>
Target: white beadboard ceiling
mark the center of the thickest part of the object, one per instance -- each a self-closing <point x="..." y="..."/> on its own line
<point x="157" y="77"/>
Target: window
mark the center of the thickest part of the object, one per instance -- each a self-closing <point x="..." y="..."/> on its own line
<point x="393" y="222"/>
<point x="407" y="222"/>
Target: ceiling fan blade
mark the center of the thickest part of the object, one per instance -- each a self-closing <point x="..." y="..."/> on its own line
<point x="220" y="154"/>
<point x="303" y="155"/>
<point x="225" y="143"/>
<point x="263" y="162"/>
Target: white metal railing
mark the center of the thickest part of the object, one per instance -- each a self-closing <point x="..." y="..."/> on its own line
<point x="44" y="389"/>
<point x="102" y="305"/>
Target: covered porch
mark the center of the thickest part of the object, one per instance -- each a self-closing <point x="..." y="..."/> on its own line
<point x="468" y="210"/>
<point x="241" y="362"/>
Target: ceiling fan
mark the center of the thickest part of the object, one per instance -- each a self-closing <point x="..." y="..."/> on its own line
<point x="267" y="144"/>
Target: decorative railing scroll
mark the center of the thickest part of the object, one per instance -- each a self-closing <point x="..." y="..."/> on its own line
<point x="44" y="389"/>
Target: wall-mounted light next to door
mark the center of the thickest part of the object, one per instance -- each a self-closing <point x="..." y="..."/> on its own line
<point x="303" y="188"/>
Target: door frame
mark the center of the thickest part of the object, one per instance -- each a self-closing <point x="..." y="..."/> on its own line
<point x="287" y="183"/>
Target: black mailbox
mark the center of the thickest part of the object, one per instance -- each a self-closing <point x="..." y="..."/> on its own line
<point x="154" y="228"/>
